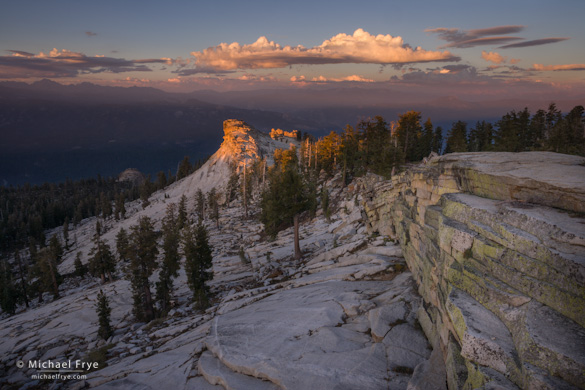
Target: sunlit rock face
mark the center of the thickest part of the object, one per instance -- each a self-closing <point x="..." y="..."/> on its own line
<point x="496" y="243"/>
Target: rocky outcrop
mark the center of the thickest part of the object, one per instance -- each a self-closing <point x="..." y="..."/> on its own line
<point x="133" y="176"/>
<point x="496" y="243"/>
<point x="281" y="135"/>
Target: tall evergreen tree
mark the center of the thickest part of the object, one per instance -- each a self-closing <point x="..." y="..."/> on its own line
<point x="200" y="205"/>
<point x="23" y="271"/>
<point x="8" y="291"/>
<point x="170" y="264"/>
<point x="480" y="137"/>
<point x="123" y="245"/>
<point x="47" y="272"/>
<point x="182" y="212"/>
<point x="282" y="202"/>
<point x="143" y="262"/>
<point x="457" y="139"/>
<point x="409" y="132"/>
<point x="437" y="145"/>
<point x="104" y="311"/>
<point x="198" y="261"/>
<point x="101" y="262"/>
<point x="213" y="204"/>
<point x="185" y="168"/>
<point x="80" y="268"/>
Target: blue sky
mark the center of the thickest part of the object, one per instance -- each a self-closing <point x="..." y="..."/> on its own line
<point x="174" y="44"/>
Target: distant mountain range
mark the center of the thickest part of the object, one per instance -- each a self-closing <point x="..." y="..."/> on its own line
<point x="51" y="131"/>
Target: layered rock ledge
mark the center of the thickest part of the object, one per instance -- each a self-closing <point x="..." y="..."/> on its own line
<point x="496" y="243"/>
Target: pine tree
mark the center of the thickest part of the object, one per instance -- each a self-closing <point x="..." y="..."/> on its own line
<point x="23" y="271"/>
<point x="198" y="261"/>
<point x="123" y="245"/>
<point x="284" y="199"/>
<point x="66" y="232"/>
<point x="120" y="210"/>
<point x="143" y="262"/>
<point x="437" y="146"/>
<point x="80" y="268"/>
<point x="170" y="264"/>
<point x="200" y="205"/>
<point x="47" y="272"/>
<point x="101" y="261"/>
<point x="104" y="311"/>
<point x="213" y="205"/>
<point x="480" y="137"/>
<point x="409" y="132"/>
<point x="184" y="169"/>
<point x="457" y="139"/>
<point x="8" y="291"/>
<point x="182" y="212"/>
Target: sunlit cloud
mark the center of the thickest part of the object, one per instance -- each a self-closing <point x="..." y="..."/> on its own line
<point x="90" y="33"/>
<point x="471" y="38"/>
<point x="322" y="79"/>
<point x="493" y="57"/>
<point x="540" y="67"/>
<point x="66" y="63"/>
<point x="359" y="48"/>
<point x="535" y="42"/>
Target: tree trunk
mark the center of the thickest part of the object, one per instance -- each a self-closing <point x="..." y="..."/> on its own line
<point x="298" y="253"/>
<point x="148" y="309"/>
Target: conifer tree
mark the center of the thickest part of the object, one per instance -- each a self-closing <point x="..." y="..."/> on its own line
<point x="144" y="251"/>
<point x="457" y="139"/>
<point x="170" y="264"/>
<point x="184" y="169"/>
<point x="23" y="271"/>
<point x="213" y="205"/>
<point x="198" y="261"/>
<point x="104" y="311"/>
<point x="101" y="261"/>
<point x="182" y="212"/>
<point x="8" y="291"/>
<point x="438" y="141"/>
<point x="200" y="205"/>
<point x="80" y="268"/>
<point x="120" y="210"/>
<point x="282" y="202"/>
<point x="47" y="272"/>
<point x="66" y="232"/>
<point x="123" y="245"/>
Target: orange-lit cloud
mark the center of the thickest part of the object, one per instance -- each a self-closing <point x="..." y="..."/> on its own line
<point x="359" y="48"/>
<point x="66" y="63"/>
<point x="323" y="79"/>
<point x="541" y="67"/>
<point x="493" y="57"/>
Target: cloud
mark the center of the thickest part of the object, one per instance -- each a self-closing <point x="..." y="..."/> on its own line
<point x="323" y="80"/>
<point x="540" y="67"/>
<point x="19" y="53"/>
<point x="493" y="57"/>
<point x="447" y="75"/>
<point x="359" y="48"/>
<point x="471" y="38"/>
<point x="535" y="42"/>
<point x="67" y="63"/>
<point x="90" y="33"/>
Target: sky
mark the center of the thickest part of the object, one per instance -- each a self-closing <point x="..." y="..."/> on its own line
<point x="478" y="49"/>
